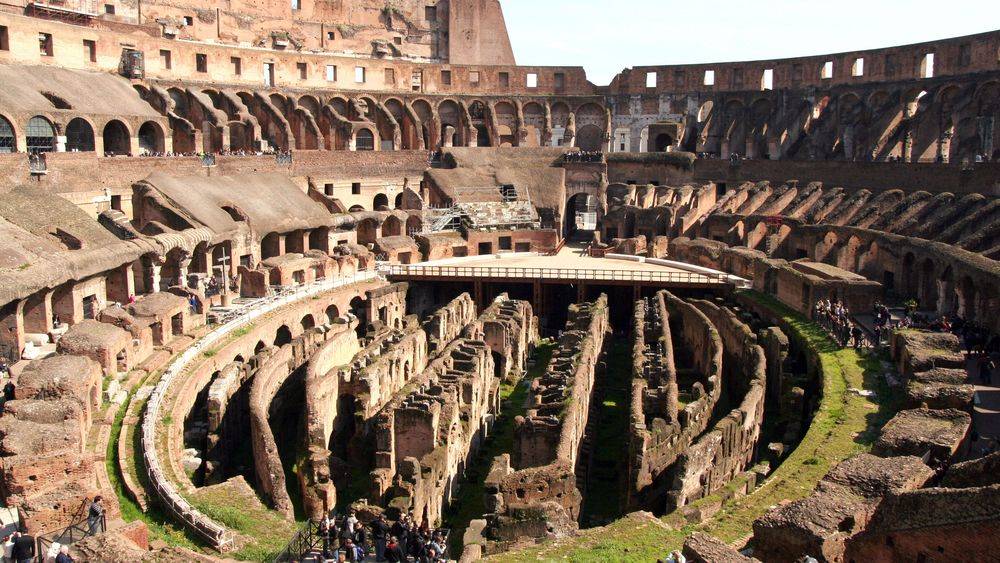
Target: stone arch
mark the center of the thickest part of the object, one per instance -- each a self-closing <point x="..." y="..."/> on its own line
<point x="928" y="293"/>
<point x="117" y="139"/>
<point x="534" y="124"/>
<point x="151" y="138"/>
<point x="967" y="298"/>
<point x="505" y="115"/>
<point x="359" y="308"/>
<point x="356" y="209"/>
<point x="410" y="134"/>
<point x="307" y="322"/>
<point x="332" y="314"/>
<point x="450" y="115"/>
<point x="260" y="347"/>
<point x="413" y="225"/>
<point x="282" y="336"/>
<point x="270" y="246"/>
<point x="380" y="201"/>
<point x="589" y="138"/>
<point x="79" y="136"/>
<point x="364" y="140"/>
<point x="826" y="249"/>
<point x="367" y="230"/>
<point x="848" y="258"/>
<point x="40" y="135"/>
<point x="422" y="108"/>
<point x="392" y="227"/>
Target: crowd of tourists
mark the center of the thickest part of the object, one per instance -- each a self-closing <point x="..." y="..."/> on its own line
<point x="584" y="156"/>
<point x="346" y="538"/>
<point x="200" y="154"/>
<point x="835" y="317"/>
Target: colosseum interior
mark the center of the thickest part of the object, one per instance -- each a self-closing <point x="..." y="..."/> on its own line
<point x="276" y="276"/>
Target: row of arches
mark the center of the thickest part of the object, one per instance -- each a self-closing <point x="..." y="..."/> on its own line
<point x="213" y="120"/>
<point x="42" y="135"/>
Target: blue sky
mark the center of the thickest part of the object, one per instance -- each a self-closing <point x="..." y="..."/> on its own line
<point x="605" y="36"/>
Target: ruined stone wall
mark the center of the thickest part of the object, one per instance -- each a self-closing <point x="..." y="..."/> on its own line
<point x="718" y="456"/>
<point x="659" y="431"/>
<point x="445" y="324"/>
<point x="537" y="494"/>
<point x="510" y="329"/>
<point x="48" y="474"/>
<point x="272" y="374"/>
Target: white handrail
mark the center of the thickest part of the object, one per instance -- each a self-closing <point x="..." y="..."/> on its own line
<point x="221" y="537"/>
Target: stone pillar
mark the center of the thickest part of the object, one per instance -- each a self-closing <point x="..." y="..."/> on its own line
<point x="12" y="328"/>
<point x="60" y="143"/>
<point x="183" y="263"/>
<point x="152" y="273"/>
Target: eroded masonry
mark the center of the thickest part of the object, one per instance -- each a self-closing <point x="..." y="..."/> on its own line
<point x="268" y="266"/>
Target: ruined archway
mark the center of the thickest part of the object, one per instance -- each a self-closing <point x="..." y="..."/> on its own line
<point x="150" y="138"/>
<point x="116" y="137"/>
<point x="79" y="136"/>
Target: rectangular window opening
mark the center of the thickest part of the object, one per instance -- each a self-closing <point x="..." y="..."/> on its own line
<point x="303" y="70"/>
<point x="237" y="65"/>
<point x="188" y="21"/>
<point x="45" y="44"/>
<point x="650" y="80"/>
<point x="269" y="74"/>
<point x="359" y="74"/>
<point x="504" y="80"/>
<point x="201" y="62"/>
<point x="826" y="72"/>
<point x="532" y="80"/>
<point x="90" y="50"/>
<point x="474" y="77"/>
<point x="709" y="78"/>
<point x="767" y="79"/>
<point x="560" y="80"/>
<point x="4" y="40"/>
<point x="296" y="5"/>
<point x="109" y="9"/>
<point x="446" y="77"/>
<point x="858" y="68"/>
<point x="927" y="66"/>
<point x="331" y="73"/>
<point x="431" y="13"/>
<point x="356" y="188"/>
<point x="390" y="76"/>
<point x="165" y="59"/>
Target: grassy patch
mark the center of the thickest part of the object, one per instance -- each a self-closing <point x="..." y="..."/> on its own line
<point x="241" y="511"/>
<point x="845" y="424"/>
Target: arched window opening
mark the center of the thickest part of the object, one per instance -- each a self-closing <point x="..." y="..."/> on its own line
<point x="79" y="136"/>
<point x="116" y="139"/>
<point x="150" y="139"/>
<point x="365" y="141"/>
<point x="380" y="201"/>
<point x="8" y="143"/>
<point x="41" y="136"/>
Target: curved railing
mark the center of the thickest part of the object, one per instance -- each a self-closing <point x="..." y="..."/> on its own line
<point x="528" y="274"/>
<point x="216" y="534"/>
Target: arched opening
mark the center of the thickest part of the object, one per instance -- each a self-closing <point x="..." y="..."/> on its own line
<point x="589" y="138"/>
<point x="398" y="203"/>
<point x="359" y="308"/>
<point x="40" y="135"/>
<point x="380" y="201"/>
<point x="364" y="140"/>
<point x="283" y="336"/>
<point x="270" y="246"/>
<point x="482" y="136"/>
<point x="307" y="322"/>
<point x="662" y="142"/>
<point x="150" y="138"/>
<point x="79" y="136"/>
<point x="332" y="314"/>
<point x="413" y="225"/>
<point x="116" y="138"/>
<point x="8" y="141"/>
<point x="260" y="347"/>
<point x="356" y="209"/>
<point x="392" y="227"/>
<point x="580" y="218"/>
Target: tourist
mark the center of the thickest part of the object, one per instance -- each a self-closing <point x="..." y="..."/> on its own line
<point x="986" y="367"/>
<point x="379" y="531"/>
<point x="350" y="552"/>
<point x="351" y="524"/>
<point x="324" y="532"/>
<point x="676" y="557"/>
<point x="857" y="334"/>
<point x="8" y="548"/>
<point x="8" y="390"/>
<point x="393" y="552"/>
<point x="64" y="556"/>
<point x="24" y="548"/>
<point x="95" y="516"/>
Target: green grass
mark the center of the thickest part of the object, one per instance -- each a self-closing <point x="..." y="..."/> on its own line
<point x="470" y="503"/>
<point x="267" y="530"/>
<point x="844" y="424"/>
<point x="161" y="527"/>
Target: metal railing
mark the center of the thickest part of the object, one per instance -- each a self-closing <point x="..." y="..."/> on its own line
<point x="79" y="530"/>
<point x="306" y="541"/>
<point x="511" y="272"/>
<point x="219" y="536"/>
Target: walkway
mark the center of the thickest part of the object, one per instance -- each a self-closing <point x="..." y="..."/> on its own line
<point x="569" y="265"/>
